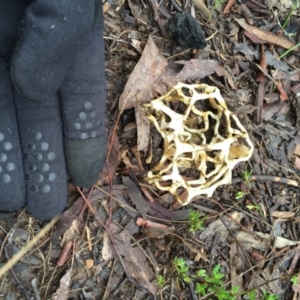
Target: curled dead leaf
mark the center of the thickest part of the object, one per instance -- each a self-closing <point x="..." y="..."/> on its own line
<point x="267" y="36"/>
<point x="283" y="214"/>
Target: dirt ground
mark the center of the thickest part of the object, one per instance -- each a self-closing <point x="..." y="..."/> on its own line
<point x="179" y="211"/>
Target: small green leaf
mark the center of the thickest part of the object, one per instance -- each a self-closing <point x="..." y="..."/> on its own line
<point x="161" y="281"/>
<point x="251" y="294"/>
<point x="246" y="175"/>
<point x="239" y="195"/>
<point x="216" y="269"/>
<point x="195" y="221"/>
<point x="252" y="207"/>
<point x="201" y="273"/>
<point x="294" y="279"/>
<point x="235" y="289"/>
<point x="201" y="288"/>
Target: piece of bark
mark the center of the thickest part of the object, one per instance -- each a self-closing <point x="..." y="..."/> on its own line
<point x="136" y="197"/>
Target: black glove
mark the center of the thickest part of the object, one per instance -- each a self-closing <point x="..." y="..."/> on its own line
<point x="52" y="101"/>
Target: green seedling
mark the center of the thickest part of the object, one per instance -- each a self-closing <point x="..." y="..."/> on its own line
<point x="213" y="284"/>
<point x="195" y="221"/>
<point x="252" y="207"/>
<point x="239" y="195"/>
<point x="294" y="279"/>
<point x="296" y="3"/>
<point x="267" y="296"/>
<point x="161" y="281"/>
<point x="252" y="295"/>
<point x="246" y="177"/>
<point x="181" y="268"/>
<point x="289" y="50"/>
<point x="217" y="4"/>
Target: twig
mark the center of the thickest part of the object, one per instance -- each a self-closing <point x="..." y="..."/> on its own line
<point x="295" y="261"/>
<point x="203" y="9"/>
<point x="35" y="288"/>
<point x="268" y="178"/>
<point x="20" y="286"/>
<point x="27" y="247"/>
<point x="228" y="6"/>
<point x="106" y="293"/>
<point x="214" y="245"/>
<point x="111" y="237"/>
<point x="261" y="87"/>
<point x="64" y="254"/>
<point x="175" y="6"/>
<point x="224" y="211"/>
<point x="153" y="5"/>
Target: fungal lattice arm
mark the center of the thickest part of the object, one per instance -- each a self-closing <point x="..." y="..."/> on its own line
<point x="201" y="137"/>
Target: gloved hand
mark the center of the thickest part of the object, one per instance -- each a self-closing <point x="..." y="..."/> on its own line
<point x="52" y="101"/>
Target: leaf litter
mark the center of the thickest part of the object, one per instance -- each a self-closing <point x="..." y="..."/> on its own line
<point x="253" y="238"/>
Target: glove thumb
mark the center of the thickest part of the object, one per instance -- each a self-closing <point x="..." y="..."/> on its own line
<point x="50" y="32"/>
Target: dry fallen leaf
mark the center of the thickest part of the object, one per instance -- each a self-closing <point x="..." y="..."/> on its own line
<point x="71" y="232"/>
<point x="89" y="263"/>
<point x="282" y="6"/>
<point x="154" y="230"/>
<point x="112" y="159"/>
<point x="282" y="94"/>
<point x="266" y="35"/>
<point x="108" y="251"/>
<point x="283" y="214"/>
<point x="143" y="132"/>
<point x="254" y="38"/>
<point x="135" y="262"/>
<point x="297" y="162"/>
<point x="136" y="196"/>
<point x="264" y="242"/>
<point x="63" y="291"/>
<point x="153" y="76"/>
<point x="148" y="69"/>
<point x="269" y="110"/>
<point x="236" y="264"/>
<point x="280" y="74"/>
<point x="195" y="69"/>
<point x="218" y="226"/>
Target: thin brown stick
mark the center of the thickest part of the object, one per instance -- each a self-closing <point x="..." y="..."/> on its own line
<point x="20" y="286"/>
<point x="64" y="254"/>
<point x="27" y="247"/>
<point x="268" y="178"/>
<point x="228" y="6"/>
<point x="153" y="5"/>
<point x="111" y="237"/>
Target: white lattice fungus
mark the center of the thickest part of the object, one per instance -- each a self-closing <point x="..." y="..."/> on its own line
<point x="203" y="141"/>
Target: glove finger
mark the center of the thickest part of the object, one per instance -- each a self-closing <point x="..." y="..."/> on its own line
<point x="83" y="102"/>
<point x="43" y="156"/>
<point x="11" y="14"/>
<point x="52" y="29"/>
<point x="12" y="188"/>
